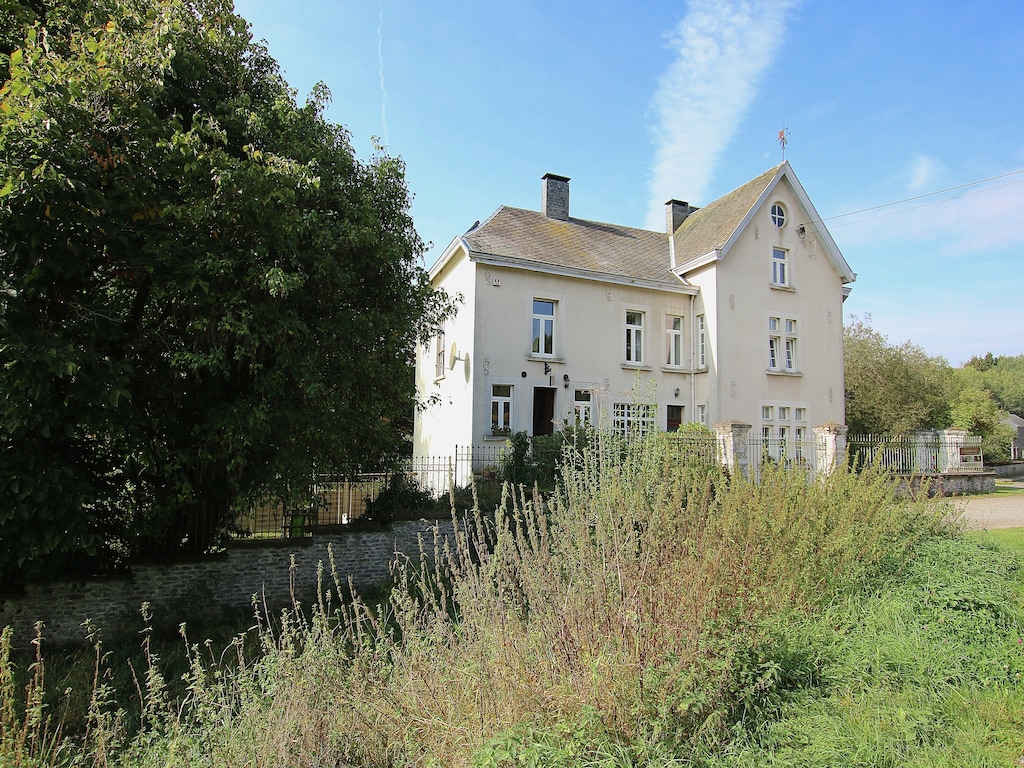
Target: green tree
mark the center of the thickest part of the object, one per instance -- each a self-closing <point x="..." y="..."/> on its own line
<point x="892" y="389"/>
<point x="1003" y="376"/>
<point x="204" y="294"/>
<point x="976" y="411"/>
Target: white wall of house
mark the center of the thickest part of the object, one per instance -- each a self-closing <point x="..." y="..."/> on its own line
<point x="747" y="303"/>
<point x="744" y="301"/>
<point x="589" y="346"/>
<point x="448" y="422"/>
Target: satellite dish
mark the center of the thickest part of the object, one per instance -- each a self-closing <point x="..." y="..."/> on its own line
<point x="454" y="357"/>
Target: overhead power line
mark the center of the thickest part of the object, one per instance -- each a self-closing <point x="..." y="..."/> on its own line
<point x="923" y="196"/>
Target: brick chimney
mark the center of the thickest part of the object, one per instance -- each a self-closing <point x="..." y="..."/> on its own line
<point x="676" y="213"/>
<point x="554" y="200"/>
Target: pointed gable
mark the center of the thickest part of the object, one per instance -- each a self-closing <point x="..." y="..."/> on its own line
<point x="707" y="234"/>
<point x="708" y="229"/>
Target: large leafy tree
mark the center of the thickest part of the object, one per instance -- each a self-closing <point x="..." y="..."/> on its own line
<point x="893" y="389"/>
<point x="1003" y="376"/>
<point x="204" y="294"/>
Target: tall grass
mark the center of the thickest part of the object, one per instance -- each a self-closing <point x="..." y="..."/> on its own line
<point x="635" y="616"/>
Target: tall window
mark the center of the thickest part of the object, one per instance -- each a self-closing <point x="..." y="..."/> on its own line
<point x="543" y="327"/>
<point x="702" y="360"/>
<point x="632" y="418"/>
<point x="673" y="340"/>
<point x="634" y="336"/>
<point x="439" y="354"/>
<point x="774" y="343"/>
<point x="784" y="431"/>
<point x="702" y="414"/>
<point x="790" y="345"/>
<point x="582" y="413"/>
<point x="501" y="407"/>
<point x="780" y="266"/>
<point x="782" y="344"/>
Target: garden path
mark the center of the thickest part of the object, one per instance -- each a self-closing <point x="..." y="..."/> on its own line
<point x="994" y="511"/>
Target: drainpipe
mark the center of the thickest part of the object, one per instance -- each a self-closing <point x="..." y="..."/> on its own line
<point x="693" y="360"/>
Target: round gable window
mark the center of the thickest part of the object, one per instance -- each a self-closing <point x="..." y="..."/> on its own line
<point x="778" y="215"/>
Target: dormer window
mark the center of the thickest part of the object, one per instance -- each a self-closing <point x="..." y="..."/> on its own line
<point x="778" y="215"/>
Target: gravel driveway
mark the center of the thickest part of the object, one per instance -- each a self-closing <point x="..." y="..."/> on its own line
<point x="992" y="511"/>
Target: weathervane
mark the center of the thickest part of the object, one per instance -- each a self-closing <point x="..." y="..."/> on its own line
<point x="783" y="140"/>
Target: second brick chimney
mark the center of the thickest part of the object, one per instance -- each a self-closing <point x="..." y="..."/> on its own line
<point x="676" y="212"/>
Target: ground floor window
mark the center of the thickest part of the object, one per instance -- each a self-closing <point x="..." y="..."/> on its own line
<point x="583" y="416"/>
<point x="784" y="431"/>
<point x="501" y="407"/>
<point x="632" y="418"/>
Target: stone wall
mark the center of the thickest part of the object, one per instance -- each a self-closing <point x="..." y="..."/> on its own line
<point x="1014" y="470"/>
<point x="214" y="585"/>
<point x="951" y="484"/>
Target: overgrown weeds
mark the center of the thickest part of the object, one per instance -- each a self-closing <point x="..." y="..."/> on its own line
<point x="652" y="610"/>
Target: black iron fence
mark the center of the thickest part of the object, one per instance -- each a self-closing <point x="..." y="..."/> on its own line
<point x="338" y="501"/>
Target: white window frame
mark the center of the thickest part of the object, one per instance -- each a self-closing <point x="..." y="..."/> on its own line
<point x="783" y="344"/>
<point x="440" y="363"/>
<point x="702" y="414"/>
<point x="780" y="267"/>
<point x="632" y="418"/>
<point x="540" y="324"/>
<point x="633" y="350"/>
<point x="784" y="430"/>
<point x="674" y="341"/>
<point x="582" y="408"/>
<point x="778" y="214"/>
<point x="702" y="341"/>
<point x="502" y="407"/>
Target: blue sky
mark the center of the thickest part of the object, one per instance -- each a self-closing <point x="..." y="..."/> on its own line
<point x="648" y="100"/>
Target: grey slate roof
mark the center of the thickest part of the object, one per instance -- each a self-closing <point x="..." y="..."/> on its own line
<point x="710" y="227"/>
<point x="530" y="237"/>
<point x="611" y="249"/>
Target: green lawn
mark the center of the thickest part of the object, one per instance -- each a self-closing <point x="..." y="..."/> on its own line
<point x="1003" y="488"/>
<point x="1008" y="537"/>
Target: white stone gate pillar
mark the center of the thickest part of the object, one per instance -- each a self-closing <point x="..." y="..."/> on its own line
<point x="950" y="443"/>
<point x="732" y="438"/>
<point x="829" y="446"/>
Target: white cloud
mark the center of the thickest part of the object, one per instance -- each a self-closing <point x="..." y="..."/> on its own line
<point x="924" y="174"/>
<point x="724" y="48"/>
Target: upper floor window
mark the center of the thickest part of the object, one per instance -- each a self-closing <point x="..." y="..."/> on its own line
<point x="673" y="340"/>
<point x="782" y="344"/>
<point x="543" y="327"/>
<point x="702" y="360"/>
<point x="778" y="215"/>
<point x="780" y="266"/>
<point x="634" y="336"/>
<point x="439" y="365"/>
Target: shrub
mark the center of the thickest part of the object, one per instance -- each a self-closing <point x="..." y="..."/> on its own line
<point x="401" y="499"/>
